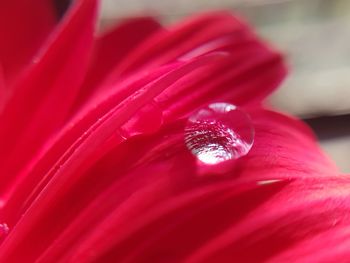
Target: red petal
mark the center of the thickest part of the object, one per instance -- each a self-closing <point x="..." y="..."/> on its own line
<point x="98" y="196"/>
<point x="294" y="212"/>
<point x="33" y="177"/>
<point x="139" y="203"/>
<point x="278" y="226"/>
<point x="112" y="47"/>
<point x="46" y="94"/>
<point x="88" y="148"/>
<point x="3" y="90"/>
<point x="251" y="60"/>
<point x="24" y="25"/>
<point x="167" y="46"/>
<point x="250" y="72"/>
<point x="337" y="241"/>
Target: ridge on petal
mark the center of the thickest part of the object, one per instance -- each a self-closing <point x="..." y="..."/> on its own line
<point x="113" y="46"/>
<point x="43" y="97"/>
<point x="24" y="25"/>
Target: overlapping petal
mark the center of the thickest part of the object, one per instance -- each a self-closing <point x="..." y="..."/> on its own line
<point x="142" y="208"/>
<point x="96" y="170"/>
<point x="111" y="48"/>
<point x="43" y="97"/>
<point x="23" y="21"/>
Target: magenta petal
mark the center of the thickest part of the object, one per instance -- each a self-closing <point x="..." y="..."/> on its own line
<point x="156" y="239"/>
<point x="337" y="240"/>
<point x="24" y="25"/>
<point x="253" y="71"/>
<point x="112" y="47"/>
<point x="188" y="218"/>
<point x="47" y="92"/>
<point x="168" y="46"/>
<point x="87" y="149"/>
<point x="33" y="179"/>
<point x="274" y="229"/>
<point x="136" y="204"/>
<point x="236" y="80"/>
<point x="104" y="175"/>
<point x="3" y="90"/>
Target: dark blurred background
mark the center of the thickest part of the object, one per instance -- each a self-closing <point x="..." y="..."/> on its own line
<point x="313" y="34"/>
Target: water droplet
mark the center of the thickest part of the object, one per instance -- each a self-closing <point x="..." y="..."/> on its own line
<point x="271" y="181"/>
<point x="146" y="121"/>
<point x="36" y="60"/>
<point x="219" y="132"/>
<point x="4" y="229"/>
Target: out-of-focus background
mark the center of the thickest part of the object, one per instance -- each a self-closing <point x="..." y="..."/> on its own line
<point x="314" y="35"/>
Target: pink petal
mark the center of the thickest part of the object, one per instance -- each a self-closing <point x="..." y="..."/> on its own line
<point x="207" y="33"/>
<point x="141" y="200"/>
<point x="280" y="228"/>
<point x="32" y="178"/>
<point x="255" y="72"/>
<point x="157" y="239"/>
<point x="24" y="25"/>
<point x="188" y="100"/>
<point x="88" y="148"/>
<point x="3" y="90"/>
<point x="114" y="46"/>
<point x="167" y="46"/>
<point x="46" y="93"/>
<point x="116" y="183"/>
<point x="313" y="249"/>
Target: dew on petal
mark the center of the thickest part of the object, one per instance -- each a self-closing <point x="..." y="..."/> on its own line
<point x="147" y="121"/>
<point x="266" y="182"/>
<point x="219" y="132"/>
<point x="4" y="229"/>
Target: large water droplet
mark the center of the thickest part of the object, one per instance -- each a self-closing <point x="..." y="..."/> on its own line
<point x="219" y="132"/>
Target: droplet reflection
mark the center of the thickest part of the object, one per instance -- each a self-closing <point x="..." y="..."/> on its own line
<point x="219" y="132"/>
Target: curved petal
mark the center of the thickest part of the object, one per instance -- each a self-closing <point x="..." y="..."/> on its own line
<point x="167" y="46"/>
<point x="85" y="151"/>
<point x="112" y="47"/>
<point x="159" y="199"/>
<point x="337" y="239"/>
<point x="3" y="90"/>
<point x="97" y="192"/>
<point x="141" y="229"/>
<point x="175" y="101"/>
<point x="237" y="78"/>
<point x="43" y="98"/>
<point x="24" y="25"/>
<point x="206" y="33"/>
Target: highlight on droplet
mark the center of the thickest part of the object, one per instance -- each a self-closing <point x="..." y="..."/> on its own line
<point x="4" y="229"/>
<point x="219" y="132"/>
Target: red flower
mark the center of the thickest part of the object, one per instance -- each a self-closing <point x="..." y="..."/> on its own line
<point x="93" y="161"/>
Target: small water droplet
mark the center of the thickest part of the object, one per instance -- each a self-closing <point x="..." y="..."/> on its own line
<point x="271" y="181"/>
<point x="36" y="60"/>
<point x="4" y="229"/>
<point x="219" y="132"/>
<point x="147" y="121"/>
<point x="2" y="203"/>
